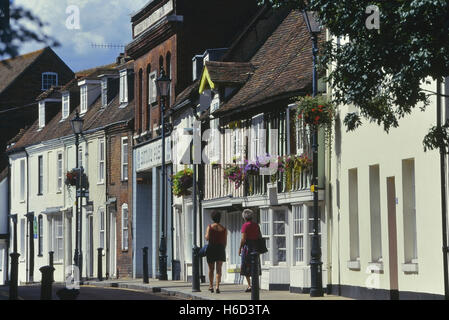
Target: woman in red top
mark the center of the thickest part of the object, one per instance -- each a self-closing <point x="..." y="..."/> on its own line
<point x="250" y="234"/>
<point x="216" y="234"/>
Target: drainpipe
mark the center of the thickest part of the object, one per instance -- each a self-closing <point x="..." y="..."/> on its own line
<point x="443" y="196"/>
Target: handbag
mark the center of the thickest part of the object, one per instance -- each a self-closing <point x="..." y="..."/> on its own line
<point x="203" y="251"/>
<point x="261" y="246"/>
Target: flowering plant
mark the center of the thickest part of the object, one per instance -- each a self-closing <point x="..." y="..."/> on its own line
<point x="72" y="176"/>
<point x="303" y="162"/>
<point x="251" y="167"/>
<point x="235" y="174"/>
<point x="181" y="182"/>
<point x="315" y="111"/>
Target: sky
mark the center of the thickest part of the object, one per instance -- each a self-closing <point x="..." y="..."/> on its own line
<point x="100" y="22"/>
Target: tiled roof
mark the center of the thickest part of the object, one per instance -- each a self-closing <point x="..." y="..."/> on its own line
<point x="54" y="92"/>
<point x="229" y="72"/>
<point x="189" y="92"/>
<point x="283" y="67"/>
<point x="10" y="69"/>
<point x="95" y="118"/>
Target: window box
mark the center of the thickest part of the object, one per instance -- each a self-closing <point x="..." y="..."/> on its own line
<point x="410" y="267"/>
<point x="376" y="267"/>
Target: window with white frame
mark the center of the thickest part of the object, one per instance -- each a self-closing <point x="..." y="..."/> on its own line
<point x="279" y="235"/>
<point x="83" y="91"/>
<point x="257" y="137"/>
<point x="298" y="233"/>
<point x="41" y="114"/>
<point x="265" y="231"/>
<point x="49" y="79"/>
<point x="22" y="180"/>
<point x="124" y="158"/>
<point x="22" y="237"/>
<point x="40" y="169"/>
<point x="123" y="87"/>
<point x="236" y="137"/>
<point x="125" y="236"/>
<point x="40" y="235"/>
<point x="104" y="92"/>
<point x="56" y="236"/>
<point x="152" y="91"/>
<point x="65" y="105"/>
<point x="59" y="170"/>
<point x="101" y="160"/>
<point x="102" y="228"/>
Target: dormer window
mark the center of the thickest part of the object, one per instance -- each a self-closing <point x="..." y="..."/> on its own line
<point x="104" y="92"/>
<point x="65" y="105"/>
<point x="49" y="79"/>
<point x="41" y="114"/>
<point x="123" y="87"/>
<point x="83" y="91"/>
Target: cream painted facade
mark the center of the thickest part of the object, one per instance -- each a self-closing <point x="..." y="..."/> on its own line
<point x="55" y="209"/>
<point x="386" y="222"/>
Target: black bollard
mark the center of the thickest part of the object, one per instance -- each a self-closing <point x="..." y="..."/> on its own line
<point x="254" y="275"/>
<point x="13" y="285"/>
<point x="50" y="262"/>
<point x="145" y="265"/>
<point x="100" y="264"/>
<point x="46" y="282"/>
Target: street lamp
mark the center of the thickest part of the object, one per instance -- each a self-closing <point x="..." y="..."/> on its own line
<point x="316" y="288"/>
<point x="195" y="248"/>
<point x="77" y="128"/>
<point x="163" y="88"/>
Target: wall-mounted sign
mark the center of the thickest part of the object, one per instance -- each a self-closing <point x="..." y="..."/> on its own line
<point x="153" y="18"/>
<point x="150" y="155"/>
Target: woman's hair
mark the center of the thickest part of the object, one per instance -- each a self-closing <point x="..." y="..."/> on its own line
<point x="248" y="214"/>
<point x="216" y="216"/>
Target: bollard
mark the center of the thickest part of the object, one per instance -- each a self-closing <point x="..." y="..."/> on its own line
<point x="13" y="285"/>
<point x="50" y="262"/>
<point x="46" y="283"/>
<point x="145" y="265"/>
<point x="100" y="264"/>
<point x="254" y="275"/>
<point x="196" y="269"/>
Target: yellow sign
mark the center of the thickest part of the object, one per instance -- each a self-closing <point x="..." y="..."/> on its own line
<point x="312" y="188"/>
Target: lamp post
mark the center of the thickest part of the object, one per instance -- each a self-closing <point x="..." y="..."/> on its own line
<point x="77" y="128"/>
<point x="195" y="248"/>
<point x="316" y="288"/>
<point x="163" y="88"/>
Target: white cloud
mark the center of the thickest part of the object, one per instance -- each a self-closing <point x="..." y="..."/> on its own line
<point x="101" y="22"/>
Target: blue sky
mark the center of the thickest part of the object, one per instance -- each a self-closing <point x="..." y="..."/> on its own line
<point x="101" y="21"/>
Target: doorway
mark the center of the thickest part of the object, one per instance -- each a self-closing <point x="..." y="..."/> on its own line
<point x="392" y="239"/>
<point x="90" y="247"/>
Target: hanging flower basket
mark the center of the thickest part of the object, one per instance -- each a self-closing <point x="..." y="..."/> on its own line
<point x="316" y="111"/>
<point x="303" y="162"/>
<point x="252" y="168"/>
<point x="182" y="182"/>
<point x="234" y="173"/>
<point x="72" y="177"/>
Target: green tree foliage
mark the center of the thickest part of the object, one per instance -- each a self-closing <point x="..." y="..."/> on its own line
<point x="20" y="30"/>
<point x="382" y="72"/>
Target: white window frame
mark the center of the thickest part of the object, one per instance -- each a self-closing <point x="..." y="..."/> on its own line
<point x="299" y="218"/>
<point x="55" y="221"/>
<point x="23" y="227"/>
<point x="123" y="86"/>
<point x="41" y="114"/>
<point x="22" y="180"/>
<point x="124" y="159"/>
<point x="83" y="93"/>
<point x="257" y="137"/>
<point x="102" y="228"/>
<point x="276" y="235"/>
<point x="125" y="227"/>
<point x="46" y="74"/>
<point x="40" y="238"/>
<point x="152" y="90"/>
<point x="59" y="171"/>
<point x="265" y="229"/>
<point x="101" y="160"/>
<point x="65" y="105"/>
<point x="104" y="92"/>
<point x="214" y="137"/>
<point x="40" y="178"/>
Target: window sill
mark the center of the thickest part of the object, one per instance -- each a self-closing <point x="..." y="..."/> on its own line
<point x="123" y="105"/>
<point x="100" y="183"/>
<point x="125" y="180"/>
<point x="58" y="263"/>
<point x="354" y="265"/>
<point x="410" y="267"/>
<point x="124" y="250"/>
<point x="59" y="192"/>
<point x="40" y="255"/>
<point x="376" y="267"/>
<point x="39" y="194"/>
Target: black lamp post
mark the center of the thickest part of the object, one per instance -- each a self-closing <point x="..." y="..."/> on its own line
<point x="316" y="288"/>
<point x="163" y="88"/>
<point x="195" y="248"/>
<point x="77" y="128"/>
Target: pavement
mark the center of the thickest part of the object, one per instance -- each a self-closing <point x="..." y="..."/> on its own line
<point x="183" y="290"/>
